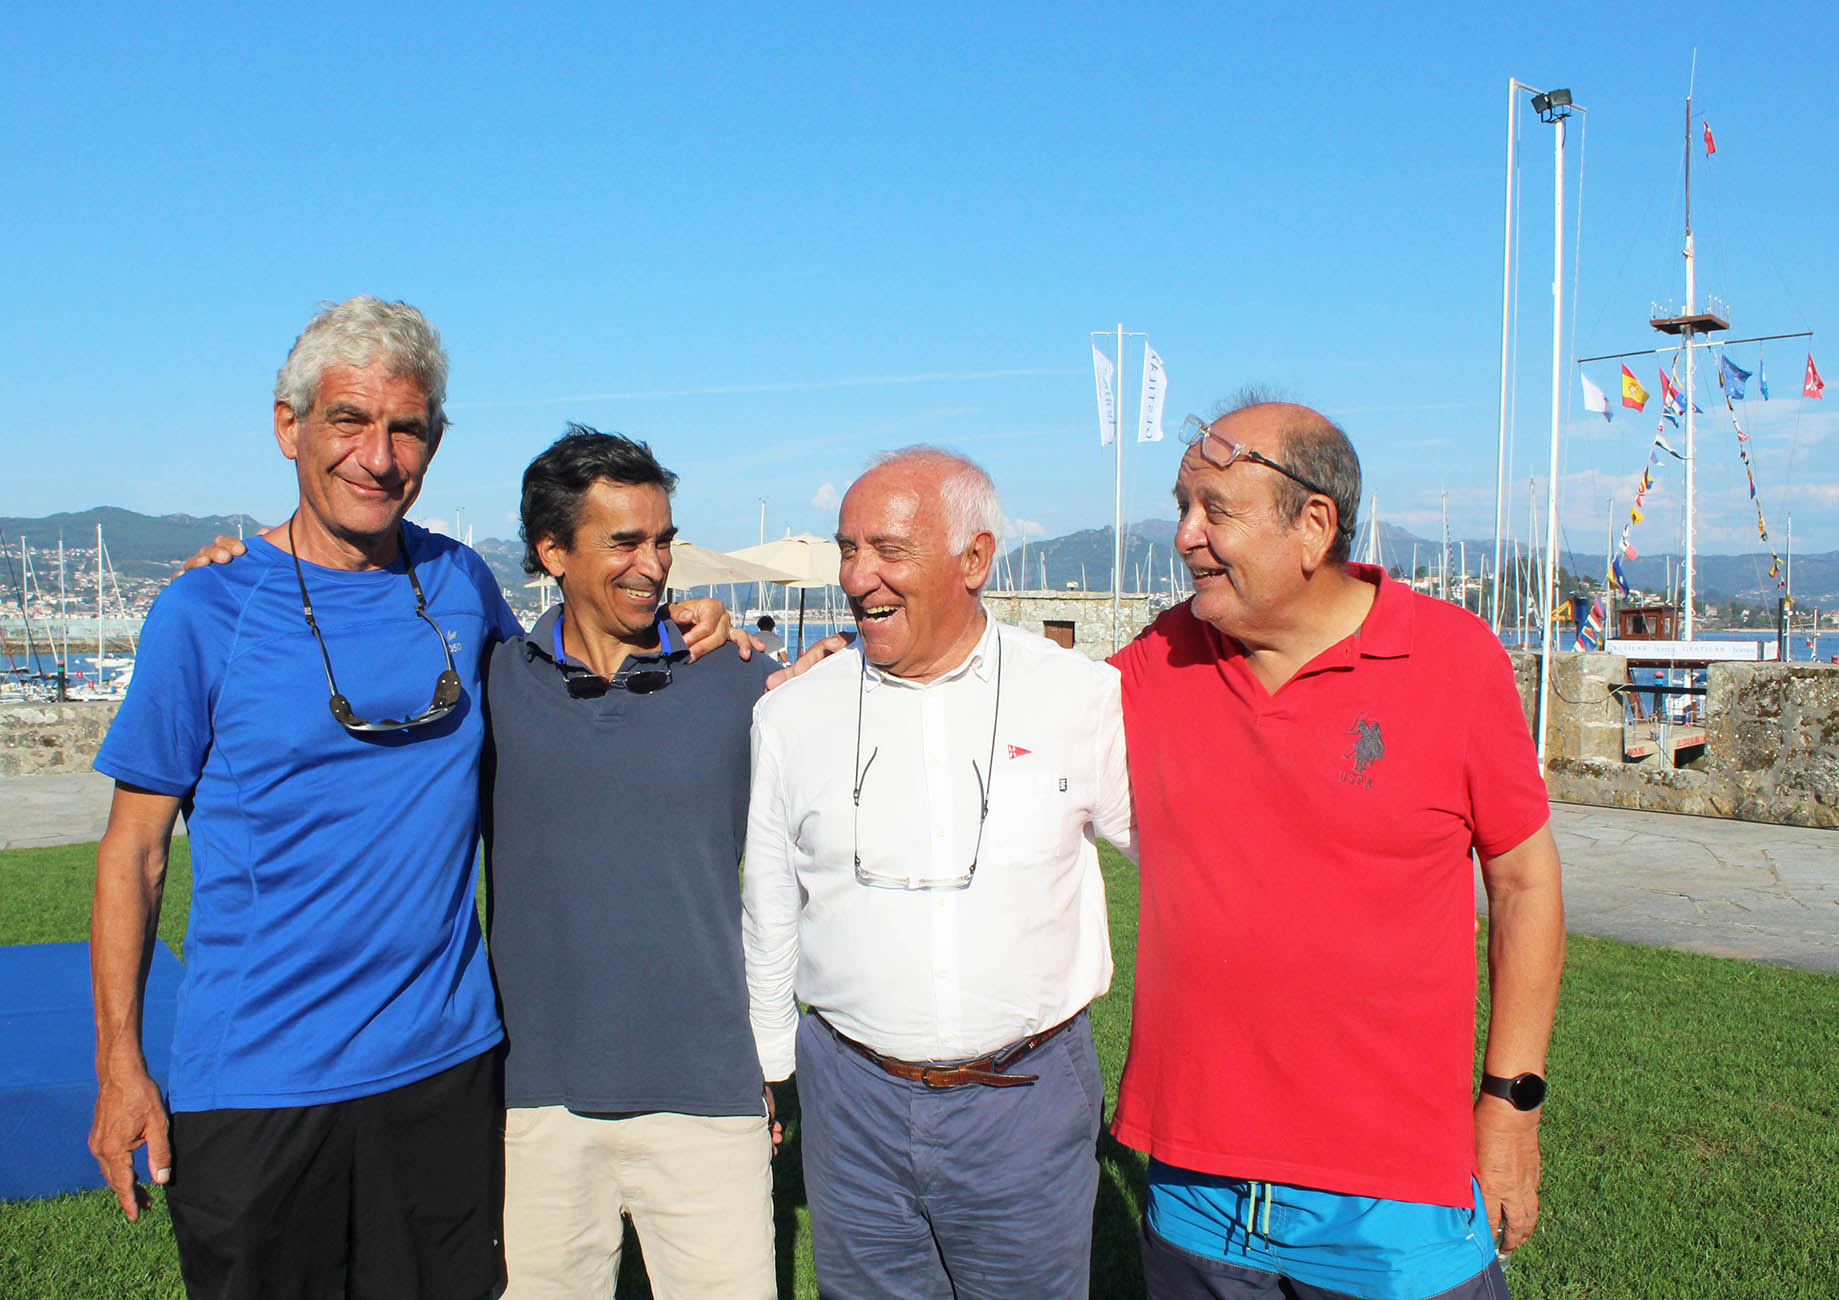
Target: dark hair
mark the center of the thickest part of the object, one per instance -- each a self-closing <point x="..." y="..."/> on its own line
<point x="1314" y="446"/>
<point x="556" y="481"/>
<point x="766" y="623"/>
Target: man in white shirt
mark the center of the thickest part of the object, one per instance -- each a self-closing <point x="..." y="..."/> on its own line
<point x="921" y="872"/>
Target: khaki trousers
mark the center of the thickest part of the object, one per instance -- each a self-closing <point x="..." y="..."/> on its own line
<point x="698" y="1189"/>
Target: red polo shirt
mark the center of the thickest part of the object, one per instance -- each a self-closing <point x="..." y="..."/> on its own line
<point x="1305" y="997"/>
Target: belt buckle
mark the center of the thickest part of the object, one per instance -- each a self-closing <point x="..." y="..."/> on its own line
<point x="926" y="1076"/>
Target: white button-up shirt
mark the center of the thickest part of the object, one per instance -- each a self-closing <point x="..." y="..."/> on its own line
<point x="933" y="975"/>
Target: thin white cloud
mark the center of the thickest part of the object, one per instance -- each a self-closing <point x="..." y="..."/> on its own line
<point x="1023" y="528"/>
<point x="825" y="497"/>
<point x="780" y="386"/>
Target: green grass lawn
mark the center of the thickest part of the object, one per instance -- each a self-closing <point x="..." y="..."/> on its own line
<point x="1691" y="1143"/>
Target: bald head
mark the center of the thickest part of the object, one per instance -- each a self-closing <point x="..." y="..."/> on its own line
<point x="1309" y="445"/>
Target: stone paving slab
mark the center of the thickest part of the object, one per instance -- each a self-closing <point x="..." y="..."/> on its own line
<point x="54" y="808"/>
<point x="1701" y="884"/>
<point x="1732" y="889"/>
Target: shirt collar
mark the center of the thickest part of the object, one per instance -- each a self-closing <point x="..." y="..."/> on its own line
<point x="1386" y="631"/>
<point x="541" y="640"/>
<point x="981" y="661"/>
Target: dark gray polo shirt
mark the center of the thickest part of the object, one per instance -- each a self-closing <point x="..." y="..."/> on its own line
<point x="614" y="830"/>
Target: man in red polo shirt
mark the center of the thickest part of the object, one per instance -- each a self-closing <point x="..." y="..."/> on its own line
<point x="1316" y="751"/>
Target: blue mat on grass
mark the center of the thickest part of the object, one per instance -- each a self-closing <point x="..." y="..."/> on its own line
<point x="48" y="1063"/>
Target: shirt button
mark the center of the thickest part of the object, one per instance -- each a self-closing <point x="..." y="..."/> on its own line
<point x="948" y="1038"/>
<point x="944" y="971"/>
<point x="938" y="832"/>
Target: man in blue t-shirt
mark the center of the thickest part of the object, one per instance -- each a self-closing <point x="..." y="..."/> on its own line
<point x="315" y="711"/>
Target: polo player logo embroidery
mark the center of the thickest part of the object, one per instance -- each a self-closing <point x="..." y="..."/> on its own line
<point x="1369" y="748"/>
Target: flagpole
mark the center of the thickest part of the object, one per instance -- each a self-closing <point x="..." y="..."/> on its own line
<point x="1514" y="86"/>
<point x="1117" y="513"/>
<point x="1691" y="453"/>
<point x="1557" y="116"/>
<point x="1117" y="334"/>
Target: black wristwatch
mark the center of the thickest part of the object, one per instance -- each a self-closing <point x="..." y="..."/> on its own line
<point x="1522" y="1092"/>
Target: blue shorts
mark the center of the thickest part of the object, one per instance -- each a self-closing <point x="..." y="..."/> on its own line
<point x="1357" y="1246"/>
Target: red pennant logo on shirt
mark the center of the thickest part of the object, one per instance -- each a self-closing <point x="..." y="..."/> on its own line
<point x="1016" y="751"/>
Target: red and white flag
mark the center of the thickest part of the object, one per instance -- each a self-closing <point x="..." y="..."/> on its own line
<point x="1813" y="385"/>
<point x="1710" y="146"/>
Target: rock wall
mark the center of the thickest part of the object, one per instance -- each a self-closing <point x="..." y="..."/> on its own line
<point x="1771" y="742"/>
<point x="37" y="738"/>
<point x="1089" y="613"/>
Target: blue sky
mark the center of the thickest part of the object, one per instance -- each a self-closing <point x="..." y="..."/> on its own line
<point x="773" y="240"/>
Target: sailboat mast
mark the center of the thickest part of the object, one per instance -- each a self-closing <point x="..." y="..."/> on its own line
<point x="99" y="647"/>
<point x="63" y="604"/>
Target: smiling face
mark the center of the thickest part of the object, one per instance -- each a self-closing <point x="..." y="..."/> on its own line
<point x="915" y="602"/>
<point x="612" y="572"/>
<point x="359" y="453"/>
<point x="1247" y="561"/>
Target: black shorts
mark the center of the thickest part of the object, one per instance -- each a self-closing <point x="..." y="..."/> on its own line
<point x="390" y="1197"/>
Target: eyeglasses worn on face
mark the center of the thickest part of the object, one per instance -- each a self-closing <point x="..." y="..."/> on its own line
<point x="447" y="692"/>
<point x="1220" y="452"/>
<point x="916" y="883"/>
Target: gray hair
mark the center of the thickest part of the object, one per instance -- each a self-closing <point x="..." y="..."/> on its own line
<point x="965" y="491"/>
<point x="1315" y="447"/>
<point x="357" y="332"/>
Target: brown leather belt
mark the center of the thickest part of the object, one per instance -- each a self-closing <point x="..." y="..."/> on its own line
<point x="988" y="1070"/>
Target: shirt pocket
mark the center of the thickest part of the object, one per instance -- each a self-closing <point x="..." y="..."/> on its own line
<point x="1035" y="817"/>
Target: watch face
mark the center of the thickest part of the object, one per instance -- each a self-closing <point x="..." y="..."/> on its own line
<point x="1526" y="1092"/>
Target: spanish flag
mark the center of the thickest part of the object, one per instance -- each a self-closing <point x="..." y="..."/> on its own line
<point x="1634" y="395"/>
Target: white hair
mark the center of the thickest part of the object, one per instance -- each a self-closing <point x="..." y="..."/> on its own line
<point x="965" y="491"/>
<point x="356" y="333"/>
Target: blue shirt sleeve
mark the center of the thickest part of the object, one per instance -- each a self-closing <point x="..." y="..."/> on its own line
<point x="162" y="733"/>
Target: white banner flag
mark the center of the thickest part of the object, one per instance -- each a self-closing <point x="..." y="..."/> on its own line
<point x="1102" y="370"/>
<point x="1595" y="399"/>
<point x="1155" y="384"/>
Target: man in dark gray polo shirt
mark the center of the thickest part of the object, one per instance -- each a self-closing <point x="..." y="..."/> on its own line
<point x="618" y="776"/>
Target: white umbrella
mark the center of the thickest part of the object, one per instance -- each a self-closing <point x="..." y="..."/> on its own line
<point x="812" y="562"/>
<point x="697" y="566"/>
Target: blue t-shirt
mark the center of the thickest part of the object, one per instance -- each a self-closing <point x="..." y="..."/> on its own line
<point x="333" y="949"/>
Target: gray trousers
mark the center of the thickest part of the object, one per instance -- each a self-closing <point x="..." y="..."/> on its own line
<point x="955" y="1194"/>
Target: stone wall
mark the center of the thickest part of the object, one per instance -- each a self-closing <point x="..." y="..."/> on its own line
<point x="1088" y="611"/>
<point x="1771" y="743"/>
<point x="37" y="738"/>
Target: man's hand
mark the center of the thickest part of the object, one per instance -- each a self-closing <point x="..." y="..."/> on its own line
<point x="220" y="550"/>
<point x="814" y="655"/>
<point x="1507" y="1167"/>
<point x="129" y="1115"/>
<point x="706" y="626"/>
<point x="772" y="1119"/>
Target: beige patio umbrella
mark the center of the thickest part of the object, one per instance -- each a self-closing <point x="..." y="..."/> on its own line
<point x="698" y="566"/>
<point x="812" y="561"/>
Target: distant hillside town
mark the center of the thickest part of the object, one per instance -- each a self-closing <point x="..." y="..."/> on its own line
<point x="49" y="568"/>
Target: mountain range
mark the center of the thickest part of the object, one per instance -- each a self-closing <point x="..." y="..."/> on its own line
<point x="151" y="546"/>
<point x="1083" y="559"/>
